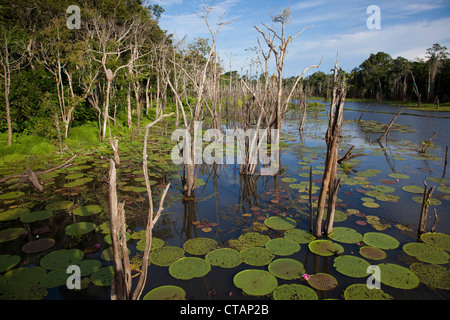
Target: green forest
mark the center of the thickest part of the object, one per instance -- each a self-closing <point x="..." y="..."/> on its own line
<point x="120" y="70"/>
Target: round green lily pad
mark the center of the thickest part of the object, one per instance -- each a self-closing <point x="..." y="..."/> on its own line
<point x="290" y="180"/>
<point x="156" y="244"/>
<point x="199" y="246"/>
<point x="78" y="182"/>
<point x="370" y="204"/>
<point x="39" y="245"/>
<point x="345" y="235"/>
<point x="351" y="266"/>
<point x="59" y="205"/>
<point x="413" y="189"/>
<point x="255" y="282"/>
<point x="398" y="176"/>
<point x="167" y="292"/>
<point x="360" y="291"/>
<point x="13" y="214"/>
<point x="438" y="180"/>
<point x="224" y="257"/>
<point x="89" y="266"/>
<point x="29" y="217"/>
<point x="433" y="275"/>
<point x="253" y="239"/>
<point x="436" y="239"/>
<point x="280" y="223"/>
<point x="11" y="195"/>
<point x="325" y="248"/>
<point x="21" y="278"/>
<point x="74" y="176"/>
<point x="165" y="256"/>
<point x="396" y="276"/>
<point x="380" y="240"/>
<point x="256" y="256"/>
<point x="372" y="253"/>
<point x="11" y="234"/>
<point x="103" y="277"/>
<point x="433" y="201"/>
<point x="294" y="292"/>
<point x="55" y="278"/>
<point x="88" y="210"/>
<point x="282" y="247"/>
<point x="444" y="189"/>
<point x="79" y="228"/>
<point x="426" y="253"/>
<point x="298" y="235"/>
<point x="61" y="258"/>
<point x="287" y="269"/>
<point x="8" y="261"/>
<point x="189" y="267"/>
<point x="322" y="281"/>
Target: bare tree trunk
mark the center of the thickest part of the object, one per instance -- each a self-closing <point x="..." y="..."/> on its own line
<point x="427" y="193"/>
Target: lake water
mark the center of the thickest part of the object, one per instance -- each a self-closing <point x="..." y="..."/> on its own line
<point x="228" y="205"/>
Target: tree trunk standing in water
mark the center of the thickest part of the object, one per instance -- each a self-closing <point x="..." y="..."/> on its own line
<point x="329" y="184"/>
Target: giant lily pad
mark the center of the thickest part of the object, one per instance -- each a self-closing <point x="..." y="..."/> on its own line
<point x="280" y="223"/>
<point x="39" y="245"/>
<point x="79" y="228"/>
<point x="21" y="278"/>
<point x="199" y="246"/>
<point x="54" y="278"/>
<point x="294" y="292"/>
<point x="372" y="253"/>
<point x="426" y="253"/>
<point x="285" y="268"/>
<point x="61" y="258"/>
<point x="13" y="214"/>
<point x="413" y="189"/>
<point x="380" y="240"/>
<point x="88" y="210"/>
<point x="432" y="201"/>
<point x="78" y="182"/>
<point x="165" y="256"/>
<point x="256" y="256"/>
<point x="103" y="277"/>
<point x="224" y="257"/>
<point x="398" y="176"/>
<point x="396" y="276"/>
<point x="325" y="247"/>
<point x="444" y="189"/>
<point x="298" y="235"/>
<point x="253" y="239"/>
<point x="11" y="195"/>
<point x="59" y="205"/>
<point x="167" y="292"/>
<point x="433" y="275"/>
<point x="351" y="266"/>
<point x="436" y="239"/>
<point x="29" y="217"/>
<point x="360" y="291"/>
<point x="8" y="261"/>
<point x="189" y="267"/>
<point x="11" y="234"/>
<point x="345" y="235"/>
<point x="282" y="247"/>
<point x="322" y="281"/>
<point x="255" y="282"/>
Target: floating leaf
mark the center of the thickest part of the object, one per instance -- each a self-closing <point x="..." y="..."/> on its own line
<point x="360" y="291"/>
<point x="351" y="266"/>
<point x="426" y="253"/>
<point x="40" y="245"/>
<point x="78" y="182"/>
<point x="30" y="217"/>
<point x="280" y="223"/>
<point x="79" y="228"/>
<point x="370" y="204"/>
<point x="255" y="282"/>
<point x="398" y="176"/>
<point x="322" y="281"/>
<point x="59" y="205"/>
<point x="165" y="256"/>
<point x="444" y="189"/>
<point x="290" y="180"/>
<point x="11" y="234"/>
<point x="88" y="210"/>
<point x="325" y="248"/>
<point x="287" y="269"/>
<point x="380" y="240"/>
<point x="298" y="235"/>
<point x="396" y="276"/>
<point x="224" y="257"/>
<point x="21" y="278"/>
<point x="199" y="246"/>
<point x="189" y="267"/>
<point x="282" y="247"/>
<point x="253" y="239"/>
<point x="432" y="201"/>
<point x="55" y="278"/>
<point x="346" y="235"/>
<point x="372" y="253"/>
<point x="294" y="292"/>
<point x="167" y="292"/>
<point x="74" y="176"/>
<point x="256" y="256"/>
<point x="13" y="214"/>
<point x="433" y="275"/>
<point x="413" y="189"/>
<point x="436" y="239"/>
<point x="103" y="277"/>
<point x="61" y="259"/>
<point x="11" y="195"/>
<point x="8" y="261"/>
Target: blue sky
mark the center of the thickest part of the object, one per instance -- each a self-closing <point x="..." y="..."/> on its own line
<point x="408" y="28"/>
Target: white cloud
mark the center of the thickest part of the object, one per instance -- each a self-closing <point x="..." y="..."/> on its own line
<point x="167" y="2"/>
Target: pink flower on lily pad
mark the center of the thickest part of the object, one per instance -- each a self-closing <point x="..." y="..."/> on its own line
<point x="306" y="276"/>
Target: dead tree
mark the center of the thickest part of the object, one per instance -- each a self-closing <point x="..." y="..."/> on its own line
<point x="386" y="133"/>
<point x="427" y="143"/>
<point x="329" y="184"/>
<point x="427" y="193"/>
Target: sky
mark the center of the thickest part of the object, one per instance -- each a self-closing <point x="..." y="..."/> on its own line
<point x="334" y="27"/>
